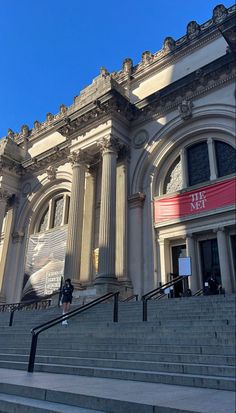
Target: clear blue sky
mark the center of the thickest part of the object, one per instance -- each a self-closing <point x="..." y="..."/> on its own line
<point x="51" y="49"/>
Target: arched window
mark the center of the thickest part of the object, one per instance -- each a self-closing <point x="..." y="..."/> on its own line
<point x="225" y="158"/>
<point x="194" y="167"/>
<point x="55" y="213"/>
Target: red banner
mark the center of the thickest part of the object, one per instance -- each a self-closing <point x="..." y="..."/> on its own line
<point x="203" y="199"/>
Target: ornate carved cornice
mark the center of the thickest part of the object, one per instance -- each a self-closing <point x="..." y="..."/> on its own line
<point x="113" y="103"/>
<point x="180" y="94"/>
<point x="7" y="164"/>
<point x="56" y="154"/>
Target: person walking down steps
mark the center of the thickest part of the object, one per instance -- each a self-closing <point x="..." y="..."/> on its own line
<point x="67" y="291"/>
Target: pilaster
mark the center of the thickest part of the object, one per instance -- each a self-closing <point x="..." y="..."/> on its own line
<point x="194" y="281"/>
<point x="224" y="258"/>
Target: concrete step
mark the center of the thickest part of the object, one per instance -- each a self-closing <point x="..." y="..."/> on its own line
<point x="18" y="404"/>
<point x="159" y="366"/>
<point x="102" y="395"/>
<point x="181" y="379"/>
<point x="142" y="356"/>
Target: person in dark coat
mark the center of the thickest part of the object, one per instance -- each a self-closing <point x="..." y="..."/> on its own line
<point x="67" y="291"/>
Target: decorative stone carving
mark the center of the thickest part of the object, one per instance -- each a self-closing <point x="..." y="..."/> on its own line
<point x="51" y="172"/>
<point x="185" y="109"/>
<point x="147" y="57"/>
<point x="104" y="72"/>
<point x="127" y="66"/>
<point x="10" y="134"/>
<point x="140" y="138"/>
<point x="174" y="181"/>
<point x="219" y="13"/>
<point x="80" y="157"/>
<point x="109" y="144"/>
<point x="169" y="44"/>
<point x="49" y="117"/>
<point x="193" y="29"/>
<point x="24" y="131"/>
<point x="37" y="125"/>
<point x="63" y="109"/>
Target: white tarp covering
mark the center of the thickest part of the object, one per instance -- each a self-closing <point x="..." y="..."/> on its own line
<point x="44" y="263"/>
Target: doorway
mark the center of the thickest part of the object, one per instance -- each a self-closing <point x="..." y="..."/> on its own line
<point x="210" y="263"/>
<point x="178" y="251"/>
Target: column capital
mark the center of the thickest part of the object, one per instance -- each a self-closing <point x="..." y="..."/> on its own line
<point x="80" y="158"/>
<point x="219" y="229"/>
<point x="136" y="200"/>
<point x="109" y="144"/>
<point x="190" y="234"/>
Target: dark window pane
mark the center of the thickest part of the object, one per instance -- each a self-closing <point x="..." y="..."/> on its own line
<point x="173" y="180"/>
<point x="226" y="158"/>
<point x="198" y="163"/>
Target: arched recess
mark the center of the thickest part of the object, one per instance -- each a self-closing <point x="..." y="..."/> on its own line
<point x="217" y="121"/>
<point x="42" y="191"/>
<point x="211" y="121"/>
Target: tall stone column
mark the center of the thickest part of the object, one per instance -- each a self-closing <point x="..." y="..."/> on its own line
<point x="194" y="282"/>
<point x="164" y="259"/>
<point x="212" y="159"/>
<point x="106" y="280"/>
<point x="3" y="204"/>
<point x="88" y="227"/>
<point x="75" y="224"/>
<point x="224" y="258"/>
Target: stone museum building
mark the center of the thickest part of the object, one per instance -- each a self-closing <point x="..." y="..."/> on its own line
<point x="138" y="172"/>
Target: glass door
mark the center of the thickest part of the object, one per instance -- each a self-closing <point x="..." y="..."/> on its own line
<point x="210" y="260"/>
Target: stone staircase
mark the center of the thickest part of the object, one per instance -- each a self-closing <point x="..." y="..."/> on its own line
<point x="185" y="342"/>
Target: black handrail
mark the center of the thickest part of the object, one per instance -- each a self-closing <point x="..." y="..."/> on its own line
<point x="156" y="291"/>
<point x="131" y="297"/>
<point x="18" y="306"/>
<point x="198" y="292"/>
<point x="42" y="327"/>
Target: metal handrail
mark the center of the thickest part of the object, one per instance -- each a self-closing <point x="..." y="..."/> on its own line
<point x="19" y="306"/>
<point x="198" y="292"/>
<point x="156" y="291"/>
<point x="131" y="297"/>
<point x="45" y="326"/>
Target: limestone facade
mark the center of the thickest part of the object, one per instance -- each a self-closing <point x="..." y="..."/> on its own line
<point x="97" y="192"/>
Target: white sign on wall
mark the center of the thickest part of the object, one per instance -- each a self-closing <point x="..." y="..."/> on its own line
<point x="185" y="266"/>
